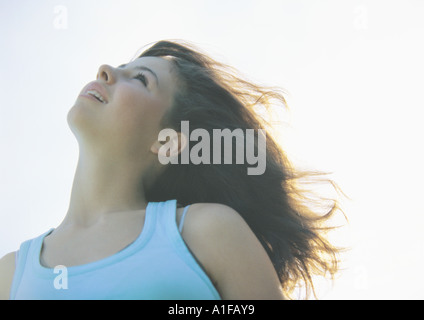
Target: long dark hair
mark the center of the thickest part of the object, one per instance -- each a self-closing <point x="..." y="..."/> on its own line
<point x="211" y="96"/>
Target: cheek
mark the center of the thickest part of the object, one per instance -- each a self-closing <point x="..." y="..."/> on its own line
<point x="136" y="112"/>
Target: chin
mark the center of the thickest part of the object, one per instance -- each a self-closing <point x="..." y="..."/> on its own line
<point x="80" y="121"/>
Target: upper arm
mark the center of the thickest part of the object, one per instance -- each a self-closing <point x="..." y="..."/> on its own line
<point x="231" y="253"/>
<point x="7" y="270"/>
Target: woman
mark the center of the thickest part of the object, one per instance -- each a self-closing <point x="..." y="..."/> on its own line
<point x="140" y="229"/>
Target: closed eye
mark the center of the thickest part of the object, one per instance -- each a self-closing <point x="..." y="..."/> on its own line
<point x="142" y="78"/>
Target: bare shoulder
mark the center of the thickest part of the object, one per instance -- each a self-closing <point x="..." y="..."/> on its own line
<point x="7" y="270"/>
<point x="230" y="252"/>
<point x="214" y="225"/>
<point x="212" y="215"/>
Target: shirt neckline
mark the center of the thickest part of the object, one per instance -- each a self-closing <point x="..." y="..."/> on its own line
<point x="140" y="241"/>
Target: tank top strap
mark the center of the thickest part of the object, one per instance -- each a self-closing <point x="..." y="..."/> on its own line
<point x="20" y="261"/>
<point x="180" y="227"/>
<point x="25" y="250"/>
<point x="166" y="213"/>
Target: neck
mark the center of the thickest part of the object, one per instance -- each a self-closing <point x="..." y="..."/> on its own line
<point x="103" y="186"/>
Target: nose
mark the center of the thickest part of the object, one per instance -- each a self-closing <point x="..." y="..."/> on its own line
<point x="106" y="73"/>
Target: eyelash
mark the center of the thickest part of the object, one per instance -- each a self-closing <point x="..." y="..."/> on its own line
<point x="142" y="78"/>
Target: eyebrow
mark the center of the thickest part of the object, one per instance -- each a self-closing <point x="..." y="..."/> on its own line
<point x="145" y="69"/>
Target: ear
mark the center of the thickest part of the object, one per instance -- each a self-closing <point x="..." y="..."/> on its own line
<point x="170" y="143"/>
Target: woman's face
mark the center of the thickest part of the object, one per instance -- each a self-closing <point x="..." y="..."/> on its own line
<point x="133" y="99"/>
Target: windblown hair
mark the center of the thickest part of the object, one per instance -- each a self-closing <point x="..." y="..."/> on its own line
<point x="211" y="95"/>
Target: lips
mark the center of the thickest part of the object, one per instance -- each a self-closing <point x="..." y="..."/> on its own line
<point x="97" y="91"/>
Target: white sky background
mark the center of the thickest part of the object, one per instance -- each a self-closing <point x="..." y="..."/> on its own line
<point x="354" y="71"/>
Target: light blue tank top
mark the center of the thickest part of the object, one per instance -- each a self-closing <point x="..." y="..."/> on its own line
<point x="156" y="266"/>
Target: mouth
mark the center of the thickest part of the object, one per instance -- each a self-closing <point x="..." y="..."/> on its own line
<point x="96" y="95"/>
<point x="96" y="91"/>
